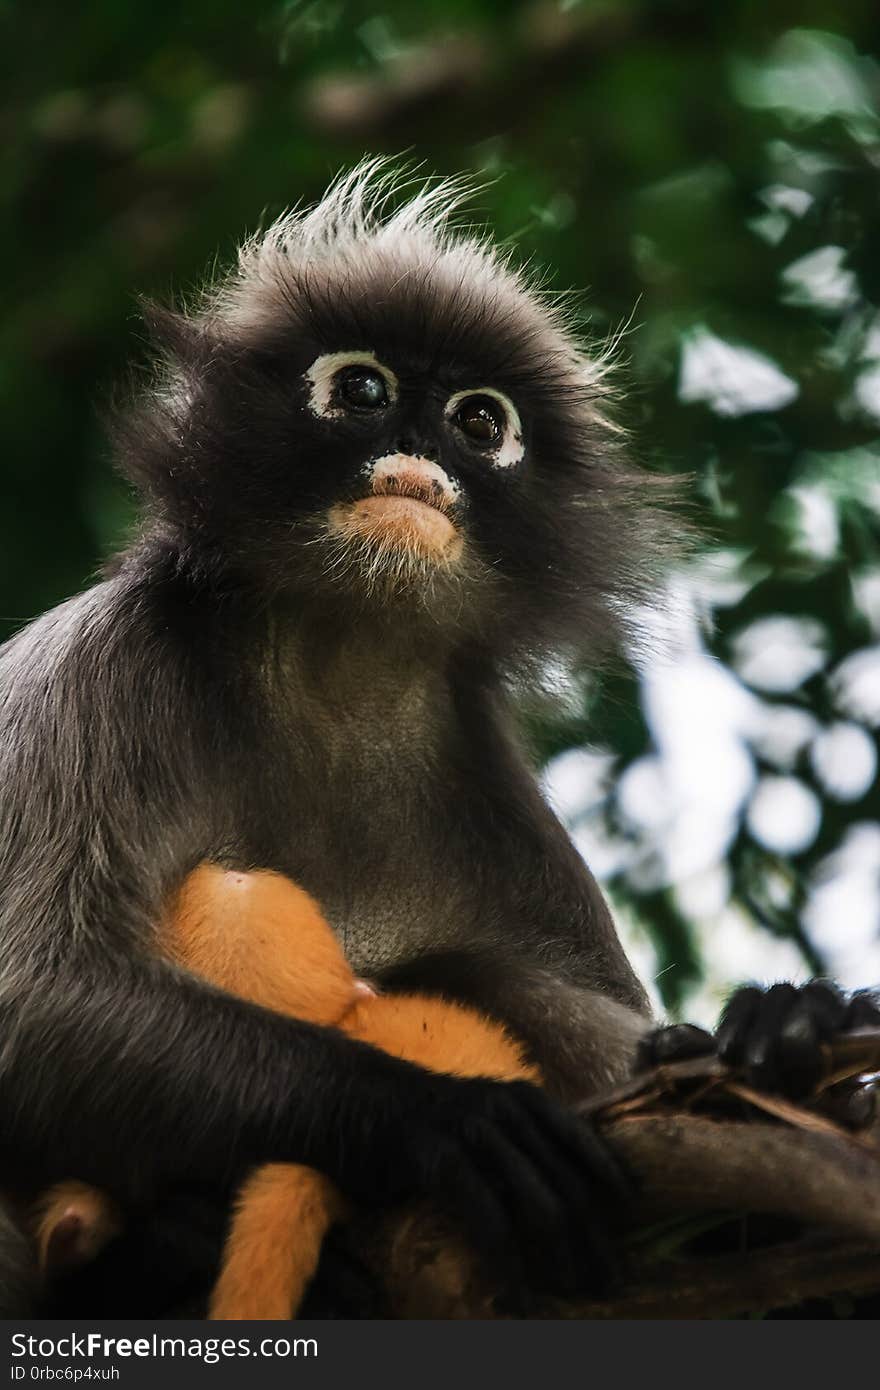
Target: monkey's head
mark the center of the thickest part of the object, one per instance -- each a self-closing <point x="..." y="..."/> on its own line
<point x="380" y="416"/>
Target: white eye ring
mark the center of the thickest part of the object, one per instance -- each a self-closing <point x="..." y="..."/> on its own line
<point x="321" y="378"/>
<point x="510" y="449"/>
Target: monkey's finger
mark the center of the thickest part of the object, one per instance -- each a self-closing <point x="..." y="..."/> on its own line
<point x="586" y="1149"/>
<point x="591" y="1215"/>
<point x="677" y="1043"/>
<point x="781" y="1042"/>
<point x="462" y="1189"/>
<point x="588" y="1217"/>
<point x="863" y="1010"/>
<point x="537" y="1215"/>
<point x="782" y="1052"/>
<point x="826" y="1004"/>
<point x="736" y="1021"/>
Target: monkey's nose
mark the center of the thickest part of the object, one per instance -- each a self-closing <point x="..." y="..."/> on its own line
<point x="414" y="476"/>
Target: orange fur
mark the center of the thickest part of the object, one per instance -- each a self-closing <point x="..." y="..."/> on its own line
<point x="259" y="936"/>
<point x="282" y="1215"/>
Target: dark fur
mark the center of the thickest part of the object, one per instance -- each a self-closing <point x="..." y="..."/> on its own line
<point x="221" y="696"/>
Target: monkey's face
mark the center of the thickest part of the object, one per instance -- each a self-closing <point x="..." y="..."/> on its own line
<point x="383" y="419"/>
<point x="408" y="445"/>
<point x="427" y="459"/>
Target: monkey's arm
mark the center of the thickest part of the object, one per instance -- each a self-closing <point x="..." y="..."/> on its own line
<point x="115" y="1067"/>
<point x="121" y="1070"/>
<point x="555" y="974"/>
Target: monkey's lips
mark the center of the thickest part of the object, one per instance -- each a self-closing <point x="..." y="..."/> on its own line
<point x="402" y="520"/>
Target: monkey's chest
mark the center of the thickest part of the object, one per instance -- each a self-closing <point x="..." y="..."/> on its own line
<point x="371" y="818"/>
<point x="388" y="870"/>
<point x="385" y="898"/>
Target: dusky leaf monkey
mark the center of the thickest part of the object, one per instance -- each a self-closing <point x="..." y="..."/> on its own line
<point x="380" y="489"/>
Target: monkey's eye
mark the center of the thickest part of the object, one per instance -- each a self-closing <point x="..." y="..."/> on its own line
<point x="489" y="421"/>
<point x="361" y="388"/>
<point x="482" y="419"/>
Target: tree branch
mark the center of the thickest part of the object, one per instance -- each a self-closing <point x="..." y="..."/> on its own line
<point x="700" y="1142"/>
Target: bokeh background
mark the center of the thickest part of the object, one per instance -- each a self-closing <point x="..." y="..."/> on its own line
<point x="709" y="177"/>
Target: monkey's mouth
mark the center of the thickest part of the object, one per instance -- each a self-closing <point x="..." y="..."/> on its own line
<point x="410" y="506"/>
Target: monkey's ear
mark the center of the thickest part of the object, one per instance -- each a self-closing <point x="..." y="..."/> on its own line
<point x="145" y="424"/>
<point x="178" y="338"/>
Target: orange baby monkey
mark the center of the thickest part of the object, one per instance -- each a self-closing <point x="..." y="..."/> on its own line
<point x="259" y="936"/>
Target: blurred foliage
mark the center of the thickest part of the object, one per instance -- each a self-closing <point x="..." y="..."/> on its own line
<point x="709" y="171"/>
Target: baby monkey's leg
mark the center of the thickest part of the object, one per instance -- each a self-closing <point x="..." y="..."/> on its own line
<point x="282" y="1215"/>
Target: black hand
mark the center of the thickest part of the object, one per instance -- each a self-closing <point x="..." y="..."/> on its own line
<point x="777" y="1034"/>
<point x="533" y="1188"/>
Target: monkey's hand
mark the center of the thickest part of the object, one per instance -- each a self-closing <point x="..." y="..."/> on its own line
<point x="776" y="1035"/>
<point x="533" y="1188"/>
